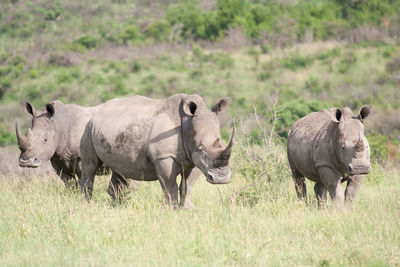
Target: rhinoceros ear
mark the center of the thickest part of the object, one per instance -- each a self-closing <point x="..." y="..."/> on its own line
<point x="189" y="107"/>
<point x="336" y="114"/>
<point x="29" y="108"/>
<point x="222" y="105"/>
<point x="364" y="112"/>
<point x="50" y="109"/>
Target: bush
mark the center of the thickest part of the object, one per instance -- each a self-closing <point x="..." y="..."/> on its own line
<point x="296" y="61"/>
<point x="347" y="62"/>
<point x="223" y="60"/>
<point x="130" y="33"/>
<point x="158" y="31"/>
<point x="6" y="138"/>
<point x="263" y="76"/>
<point x="295" y="110"/>
<point x="378" y="146"/>
<point x="87" y="41"/>
<point x="393" y="65"/>
<point x="52" y="14"/>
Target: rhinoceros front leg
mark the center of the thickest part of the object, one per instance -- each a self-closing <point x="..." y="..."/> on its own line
<point x="186" y="188"/>
<point x="69" y="180"/>
<point x="167" y="171"/>
<point x="332" y="184"/>
<point x="117" y="185"/>
<point x="352" y="188"/>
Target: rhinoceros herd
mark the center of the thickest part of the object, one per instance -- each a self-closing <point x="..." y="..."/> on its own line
<point x="148" y="139"/>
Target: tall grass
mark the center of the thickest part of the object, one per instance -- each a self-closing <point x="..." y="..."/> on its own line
<point x="43" y="223"/>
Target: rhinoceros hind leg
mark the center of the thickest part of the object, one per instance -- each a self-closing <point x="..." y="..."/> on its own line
<point x="300" y="185"/>
<point x="320" y="192"/>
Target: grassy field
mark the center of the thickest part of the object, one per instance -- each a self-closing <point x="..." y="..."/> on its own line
<point x="43" y="223"/>
<point x="277" y="61"/>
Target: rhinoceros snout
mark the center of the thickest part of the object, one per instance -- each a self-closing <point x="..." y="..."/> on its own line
<point x="216" y="178"/>
<point x="354" y="170"/>
<point x="29" y="162"/>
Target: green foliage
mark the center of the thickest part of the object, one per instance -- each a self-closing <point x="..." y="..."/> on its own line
<point x="130" y="34"/>
<point x="6" y="138"/>
<point x="329" y="54"/>
<point x="393" y="65"/>
<point x="378" y="147"/>
<point x="295" y="110"/>
<point x="158" y="31"/>
<point x="52" y="13"/>
<point x="296" y="61"/>
<point x="87" y="41"/>
<point x="347" y="62"/>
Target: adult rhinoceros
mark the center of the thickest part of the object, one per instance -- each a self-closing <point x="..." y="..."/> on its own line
<point x="148" y="139"/>
<point x="55" y="135"/>
<point x="329" y="147"/>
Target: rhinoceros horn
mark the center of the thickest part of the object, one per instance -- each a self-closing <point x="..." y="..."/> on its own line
<point x="22" y="140"/>
<point x="226" y="153"/>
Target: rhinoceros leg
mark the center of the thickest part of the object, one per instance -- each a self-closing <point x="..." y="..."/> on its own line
<point x="190" y="180"/>
<point x="69" y="180"/>
<point x="117" y="184"/>
<point x="167" y="171"/>
<point x="300" y="185"/>
<point x="320" y="192"/>
<point x="90" y="164"/>
<point x="332" y="184"/>
<point x="352" y="188"/>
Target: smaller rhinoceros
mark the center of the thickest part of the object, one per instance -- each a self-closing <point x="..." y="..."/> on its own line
<point x="55" y="135"/>
<point x="329" y="147"/>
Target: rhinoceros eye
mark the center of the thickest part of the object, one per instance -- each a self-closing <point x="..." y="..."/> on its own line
<point x="200" y="148"/>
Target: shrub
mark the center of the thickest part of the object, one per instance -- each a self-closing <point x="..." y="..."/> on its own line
<point x="378" y="146"/>
<point x="296" y="61"/>
<point x="393" y="65"/>
<point x="130" y="33"/>
<point x="6" y="138"/>
<point x="158" y="31"/>
<point x="347" y="62"/>
<point x="330" y="53"/>
<point x="52" y="13"/>
<point x="87" y="41"/>
<point x="295" y="110"/>
<point x="223" y="60"/>
<point x="263" y="76"/>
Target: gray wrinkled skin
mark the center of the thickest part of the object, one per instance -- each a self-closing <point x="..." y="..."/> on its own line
<point x="148" y="139"/>
<point x="329" y="147"/>
<point x="55" y="135"/>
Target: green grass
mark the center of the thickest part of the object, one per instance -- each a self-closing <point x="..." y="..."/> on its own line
<point x="42" y="223"/>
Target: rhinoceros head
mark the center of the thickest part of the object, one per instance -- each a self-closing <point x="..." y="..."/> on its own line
<point x="39" y="143"/>
<point x="202" y="138"/>
<point x="351" y="144"/>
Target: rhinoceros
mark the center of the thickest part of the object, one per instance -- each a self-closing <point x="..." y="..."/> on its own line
<point x="55" y="135"/>
<point x="329" y="147"/>
<point x="149" y="139"/>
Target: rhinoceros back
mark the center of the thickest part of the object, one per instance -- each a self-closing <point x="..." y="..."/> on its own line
<point x="120" y="133"/>
<point x="301" y="139"/>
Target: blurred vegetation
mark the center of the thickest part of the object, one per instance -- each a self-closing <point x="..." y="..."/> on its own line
<point x="313" y="54"/>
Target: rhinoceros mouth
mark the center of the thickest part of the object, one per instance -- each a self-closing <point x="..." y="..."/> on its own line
<point x="215" y="178"/>
<point x="29" y="163"/>
<point x="358" y="170"/>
